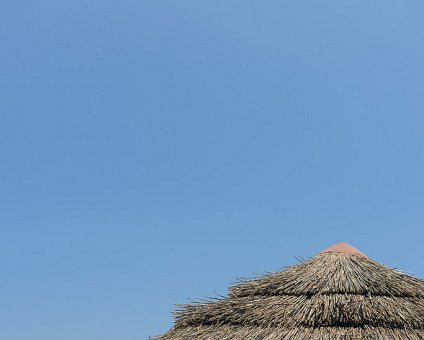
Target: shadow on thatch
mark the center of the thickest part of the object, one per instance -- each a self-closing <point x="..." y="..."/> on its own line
<point x="338" y="294"/>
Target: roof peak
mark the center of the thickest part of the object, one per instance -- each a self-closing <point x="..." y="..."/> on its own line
<point x="343" y="248"/>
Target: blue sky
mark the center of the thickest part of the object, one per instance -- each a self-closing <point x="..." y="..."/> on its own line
<point x="153" y="151"/>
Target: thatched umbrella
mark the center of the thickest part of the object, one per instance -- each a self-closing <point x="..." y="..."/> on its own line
<point x="338" y="294"/>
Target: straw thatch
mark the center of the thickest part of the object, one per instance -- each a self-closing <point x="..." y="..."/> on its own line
<point x="339" y="294"/>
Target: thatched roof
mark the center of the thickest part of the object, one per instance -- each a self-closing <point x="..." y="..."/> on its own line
<point x="338" y="294"/>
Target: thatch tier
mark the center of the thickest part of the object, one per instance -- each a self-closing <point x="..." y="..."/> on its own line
<point x="307" y="311"/>
<point x="333" y="274"/>
<point x="322" y="333"/>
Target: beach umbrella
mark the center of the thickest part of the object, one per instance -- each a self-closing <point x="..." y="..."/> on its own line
<point x="338" y="294"/>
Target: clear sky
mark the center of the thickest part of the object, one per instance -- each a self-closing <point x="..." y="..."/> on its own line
<point x="153" y="151"/>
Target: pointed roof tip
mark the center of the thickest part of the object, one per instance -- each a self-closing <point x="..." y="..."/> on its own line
<point x="343" y="248"/>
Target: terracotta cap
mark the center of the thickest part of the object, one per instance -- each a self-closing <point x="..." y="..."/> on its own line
<point x="343" y="249"/>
